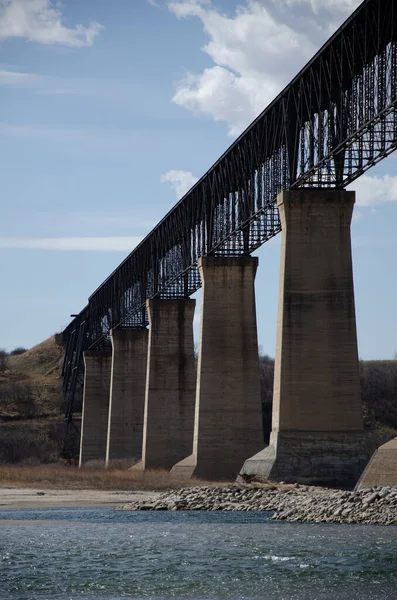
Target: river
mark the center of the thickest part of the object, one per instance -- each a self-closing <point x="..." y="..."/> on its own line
<point x="103" y="554"/>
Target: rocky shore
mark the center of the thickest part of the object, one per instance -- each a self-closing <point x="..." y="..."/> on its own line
<point x="292" y="503"/>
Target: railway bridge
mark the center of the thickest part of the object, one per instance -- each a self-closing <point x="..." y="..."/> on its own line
<point x="144" y="398"/>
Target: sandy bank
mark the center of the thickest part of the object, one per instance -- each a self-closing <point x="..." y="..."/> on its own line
<point x="14" y="498"/>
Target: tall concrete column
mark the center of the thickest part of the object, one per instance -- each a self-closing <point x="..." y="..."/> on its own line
<point x="95" y="406"/>
<point x="127" y="394"/>
<point x="170" y="384"/>
<point x="228" y="420"/>
<point x="317" y="424"/>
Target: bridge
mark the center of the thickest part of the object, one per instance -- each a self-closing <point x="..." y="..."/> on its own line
<point x="143" y="396"/>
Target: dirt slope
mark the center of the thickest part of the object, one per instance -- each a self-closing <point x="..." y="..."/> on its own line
<point x="30" y="385"/>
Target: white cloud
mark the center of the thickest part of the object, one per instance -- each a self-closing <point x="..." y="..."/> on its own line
<point x="106" y="244"/>
<point x="181" y="181"/>
<point x="372" y="191"/>
<point x="43" y="85"/>
<point x="255" y="52"/>
<point x="19" y="79"/>
<point x="41" y="21"/>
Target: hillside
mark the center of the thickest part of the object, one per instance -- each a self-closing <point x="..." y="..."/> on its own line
<point x="32" y="426"/>
<point x="30" y="384"/>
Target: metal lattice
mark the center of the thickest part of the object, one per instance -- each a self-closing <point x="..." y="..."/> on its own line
<point x="335" y="120"/>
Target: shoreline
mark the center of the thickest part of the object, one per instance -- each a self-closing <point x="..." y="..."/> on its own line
<point x="288" y="502"/>
<point x="293" y="503"/>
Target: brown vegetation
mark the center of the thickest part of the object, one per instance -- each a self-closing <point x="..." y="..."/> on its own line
<point x="95" y="478"/>
<point x="31" y="442"/>
<point x="30" y="382"/>
<point x="31" y="422"/>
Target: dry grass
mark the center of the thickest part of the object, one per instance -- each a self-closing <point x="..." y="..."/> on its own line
<point x="30" y="387"/>
<point x="42" y="363"/>
<point x="91" y="478"/>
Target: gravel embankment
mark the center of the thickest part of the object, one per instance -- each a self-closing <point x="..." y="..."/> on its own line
<point x="290" y="503"/>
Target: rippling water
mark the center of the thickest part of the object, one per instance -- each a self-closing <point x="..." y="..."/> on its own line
<point x="101" y="554"/>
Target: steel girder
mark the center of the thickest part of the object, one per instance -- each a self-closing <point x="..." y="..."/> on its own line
<point x="335" y="120"/>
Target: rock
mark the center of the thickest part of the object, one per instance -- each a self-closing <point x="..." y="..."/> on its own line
<point x="371" y="498"/>
<point x="292" y="503"/>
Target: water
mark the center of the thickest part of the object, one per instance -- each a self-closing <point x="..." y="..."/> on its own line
<point x="102" y="554"/>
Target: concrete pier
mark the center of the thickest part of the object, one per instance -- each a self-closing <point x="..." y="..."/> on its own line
<point x="382" y="468"/>
<point x="228" y="421"/>
<point x="127" y="394"/>
<point x="94" y="421"/>
<point x="170" y="384"/>
<point x="317" y="424"/>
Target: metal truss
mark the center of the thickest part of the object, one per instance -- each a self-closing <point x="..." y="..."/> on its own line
<point x="76" y="339"/>
<point x="335" y="120"/>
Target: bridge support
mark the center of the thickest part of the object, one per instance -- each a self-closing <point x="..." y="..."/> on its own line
<point x="317" y="424"/>
<point x="127" y="394"/>
<point x="382" y="467"/>
<point x="170" y="384"/>
<point x="95" y="406"/>
<point x="228" y="422"/>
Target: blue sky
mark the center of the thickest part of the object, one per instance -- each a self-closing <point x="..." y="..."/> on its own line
<point x="109" y="113"/>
